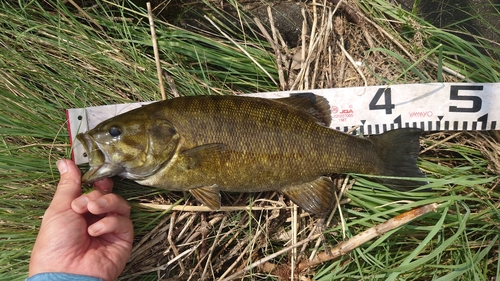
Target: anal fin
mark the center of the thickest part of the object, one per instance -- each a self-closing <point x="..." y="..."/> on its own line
<point x="208" y="195"/>
<point x="316" y="197"/>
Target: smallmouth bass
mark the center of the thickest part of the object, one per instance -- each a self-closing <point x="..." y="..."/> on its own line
<point x="208" y="144"/>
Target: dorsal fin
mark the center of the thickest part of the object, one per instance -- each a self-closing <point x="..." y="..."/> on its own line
<point x="314" y="105"/>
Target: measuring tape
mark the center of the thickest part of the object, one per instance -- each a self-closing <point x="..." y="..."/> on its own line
<point x="375" y="109"/>
<point x="431" y="107"/>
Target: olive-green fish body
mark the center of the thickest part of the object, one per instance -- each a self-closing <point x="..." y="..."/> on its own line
<point x="208" y="144"/>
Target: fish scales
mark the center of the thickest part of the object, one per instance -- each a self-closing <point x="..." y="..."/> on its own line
<point x="285" y="146"/>
<point x="207" y="144"/>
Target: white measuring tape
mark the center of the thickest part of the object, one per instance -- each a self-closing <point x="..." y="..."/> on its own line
<point x="431" y="107"/>
<point x="375" y="109"/>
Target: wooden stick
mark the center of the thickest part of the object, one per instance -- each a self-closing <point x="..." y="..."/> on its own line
<point x="365" y="236"/>
<point x="276" y="48"/>
<point x="207" y="209"/>
<point x="155" y="50"/>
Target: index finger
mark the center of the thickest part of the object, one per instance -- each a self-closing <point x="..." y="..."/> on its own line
<point x="109" y="203"/>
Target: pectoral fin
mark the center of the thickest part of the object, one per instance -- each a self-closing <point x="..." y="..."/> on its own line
<point x="316" y="197"/>
<point x="208" y="195"/>
<point x="201" y="156"/>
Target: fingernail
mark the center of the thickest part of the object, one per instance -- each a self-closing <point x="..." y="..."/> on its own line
<point x="101" y="202"/>
<point x="62" y="166"/>
<point x="81" y="202"/>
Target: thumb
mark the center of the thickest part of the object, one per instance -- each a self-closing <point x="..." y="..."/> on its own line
<point x="69" y="186"/>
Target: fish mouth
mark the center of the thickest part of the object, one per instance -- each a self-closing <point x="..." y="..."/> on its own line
<point x="100" y="166"/>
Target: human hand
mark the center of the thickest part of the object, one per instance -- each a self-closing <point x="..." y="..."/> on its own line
<point x="89" y="234"/>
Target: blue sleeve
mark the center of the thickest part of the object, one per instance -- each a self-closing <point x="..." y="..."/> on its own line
<point x="57" y="276"/>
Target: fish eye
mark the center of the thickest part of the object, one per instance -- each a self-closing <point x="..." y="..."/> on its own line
<point x="115" y="131"/>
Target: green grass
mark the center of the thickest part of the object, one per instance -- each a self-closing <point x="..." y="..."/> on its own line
<point x="421" y="44"/>
<point x="51" y="61"/>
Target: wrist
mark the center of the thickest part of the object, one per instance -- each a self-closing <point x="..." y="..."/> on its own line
<point x="59" y="276"/>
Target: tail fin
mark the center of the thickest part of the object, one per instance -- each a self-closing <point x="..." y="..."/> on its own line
<point x="398" y="151"/>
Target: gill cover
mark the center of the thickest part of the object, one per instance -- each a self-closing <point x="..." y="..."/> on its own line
<point x="163" y="143"/>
